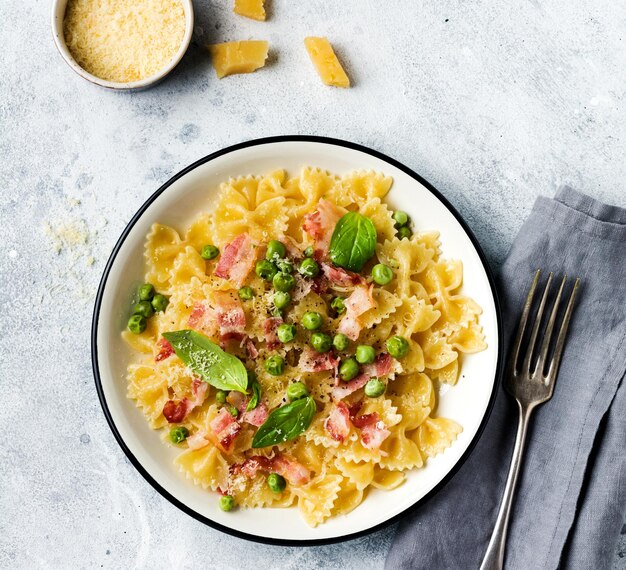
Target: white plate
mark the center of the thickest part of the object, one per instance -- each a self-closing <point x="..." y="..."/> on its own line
<point x="192" y="191"/>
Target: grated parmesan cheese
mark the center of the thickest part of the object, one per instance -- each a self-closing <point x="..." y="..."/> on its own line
<point x="123" y="40"/>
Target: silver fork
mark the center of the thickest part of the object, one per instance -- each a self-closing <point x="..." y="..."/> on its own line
<point x="530" y="387"/>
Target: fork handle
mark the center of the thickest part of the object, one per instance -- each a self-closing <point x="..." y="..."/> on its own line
<point x="494" y="557"/>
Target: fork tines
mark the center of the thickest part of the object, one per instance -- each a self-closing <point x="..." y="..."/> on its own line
<point x="527" y="368"/>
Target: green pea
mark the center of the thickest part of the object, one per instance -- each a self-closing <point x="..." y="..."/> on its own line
<point x="382" y="274"/>
<point x="341" y="341"/>
<point x="296" y="391"/>
<point x="160" y="303"/>
<point x="143" y="308"/>
<point x="232" y="410"/>
<point x="275" y="250"/>
<point x="146" y="292"/>
<point x="338" y="305"/>
<point x="275" y="365"/>
<point x="246" y="293"/>
<point x="311" y="320"/>
<point x="281" y="299"/>
<point x="404" y="232"/>
<point x="309" y="267"/>
<point x="227" y="503"/>
<point x="321" y="341"/>
<point x="374" y="388"/>
<point x="349" y="369"/>
<point x="309" y="251"/>
<point x="276" y="483"/>
<point x="209" y="252"/>
<point x="397" y="346"/>
<point x="285" y="265"/>
<point x="401" y="218"/>
<point x="277" y="312"/>
<point x="286" y="332"/>
<point x="178" y="434"/>
<point x="266" y="269"/>
<point x="220" y="396"/>
<point x="283" y="282"/>
<point x="137" y="324"/>
<point x="365" y="354"/>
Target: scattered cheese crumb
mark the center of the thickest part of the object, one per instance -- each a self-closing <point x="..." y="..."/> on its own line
<point x="67" y="235"/>
<point x="90" y="260"/>
<point x="250" y="9"/>
<point x="328" y="67"/>
<point x="123" y="40"/>
<point x="238" y="57"/>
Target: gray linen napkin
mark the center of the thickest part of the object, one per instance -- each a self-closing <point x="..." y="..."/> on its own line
<point x="571" y="498"/>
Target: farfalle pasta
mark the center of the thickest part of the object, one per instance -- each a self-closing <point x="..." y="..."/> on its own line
<point x="301" y="332"/>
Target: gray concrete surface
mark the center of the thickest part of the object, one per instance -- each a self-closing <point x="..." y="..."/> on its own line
<point x="493" y="102"/>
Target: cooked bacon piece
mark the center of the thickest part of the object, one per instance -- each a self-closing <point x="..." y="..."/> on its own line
<point x="382" y="366"/>
<point x="257" y="416"/>
<point x="251" y="349"/>
<point x="251" y="466"/>
<point x="320" y="284"/>
<point x="344" y="389"/>
<point x="203" y="319"/>
<point x="350" y="326"/>
<point x="365" y="420"/>
<point x="312" y="225"/>
<point x="355" y="408"/>
<point x="229" y="313"/>
<point x="238" y="400"/>
<point x="269" y="328"/>
<point x="165" y="350"/>
<point x="175" y="411"/>
<point x="295" y="473"/>
<point x="341" y="277"/>
<point x="320" y="224"/>
<point x="199" y="389"/>
<point x="198" y="440"/>
<point x="225" y="428"/>
<point x="373" y="430"/>
<point x="226" y="337"/>
<point x="237" y="260"/>
<point x="357" y="303"/>
<point x="337" y="424"/>
<point x="373" y="434"/>
<point x="313" y="361"/>
<point x="360" y="300"/>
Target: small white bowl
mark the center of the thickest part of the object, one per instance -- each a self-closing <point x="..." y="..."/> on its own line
<point x="58" y="15"/>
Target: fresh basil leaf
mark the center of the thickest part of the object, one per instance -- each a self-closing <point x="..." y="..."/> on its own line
<point x="209" y="361"/>
<point x="286" y="423"/>
<point x="256" y="396"/>
<point x="353" y="242"/>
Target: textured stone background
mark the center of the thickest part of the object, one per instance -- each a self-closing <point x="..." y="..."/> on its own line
<point x="493" y="102"/>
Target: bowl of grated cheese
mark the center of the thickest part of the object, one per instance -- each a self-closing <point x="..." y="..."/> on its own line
<point x="122" y="44"/>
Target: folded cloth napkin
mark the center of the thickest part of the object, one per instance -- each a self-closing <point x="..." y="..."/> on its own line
<point x="571" y="495"/>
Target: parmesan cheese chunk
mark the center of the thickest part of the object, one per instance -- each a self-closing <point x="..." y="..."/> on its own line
<point x="326" y="62"/>
<point x="250" y="9"/>
<point x="123" y="40"/>
<point x="238" y="57"/>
